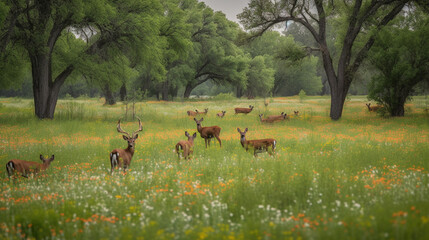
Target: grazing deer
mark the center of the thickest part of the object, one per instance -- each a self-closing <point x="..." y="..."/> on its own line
<point x="221" y="114"/>
<point x="26" y="167"/>
<point x="192" y="113"/>
<point x="373" y="108"/>
<point x="244" y="110"/>
<point x="122" y="157"/>
<point x="202" y="113"/>
<point x="208" y="132"/>
<point x="186" y="146"/>
<point x="296" y="113"/>
<point x="260" y="145"/>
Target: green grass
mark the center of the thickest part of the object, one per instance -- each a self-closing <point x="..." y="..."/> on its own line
<point x="362" y="177"/>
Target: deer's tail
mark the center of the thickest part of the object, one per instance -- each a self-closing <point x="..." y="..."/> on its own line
<point x="10" y="167"/>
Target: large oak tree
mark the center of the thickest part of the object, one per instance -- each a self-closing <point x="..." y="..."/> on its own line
<point x="112" y="29"/>
<point x="362" y="18"/>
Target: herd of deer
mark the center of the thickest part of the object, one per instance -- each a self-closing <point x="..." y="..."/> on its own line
<point x="122" y="157"/>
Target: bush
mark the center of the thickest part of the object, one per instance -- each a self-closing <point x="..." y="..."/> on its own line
<point x="224" y="97"/>
<point x="302" y="95"/>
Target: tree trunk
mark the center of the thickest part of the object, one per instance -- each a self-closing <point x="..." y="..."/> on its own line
<point x="110" y="99"/>
<point x="123" y="92"/>
<point x="188" y="91"/>
<point x="164" y="90"/>
<point x="45" y="91"/>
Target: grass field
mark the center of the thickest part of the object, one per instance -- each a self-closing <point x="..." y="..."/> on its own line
<point x="362" y="177"/>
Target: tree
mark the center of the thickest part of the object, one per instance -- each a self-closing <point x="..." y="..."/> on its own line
<point x="260" y="78"/>
<point x="112" y="28"/>
<point x="361" y="20"/>
<point x="401" y="54"/>
<point x="213" y="55"/>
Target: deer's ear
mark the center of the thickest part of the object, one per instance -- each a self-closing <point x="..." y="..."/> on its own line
<point x="246" y="130"/>
<point x="195" y="119"/>
<point x="137" y="136"/>
<point x="42" y="158"/>
<point x="186" y="133"/>
<point x="194" y="135"/>
<point x="52" y="158"/>
<point x="201" y="119"/>
<point x="238" y="130"/>
<point x="125" y="137"/>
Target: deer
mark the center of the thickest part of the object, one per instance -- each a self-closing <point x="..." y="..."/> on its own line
<point x="243" y="110"/>
<point x="373" y="108"/>
<point x="122" y="157"/>
<point x="274" y="118"/>
<point x="221" y="114"/>
<point x="192" y="113"/>
<point x="26" y="167"/>
<point x="208" y="132"/>
<point x="296" y="113"/>
<point x="206" y="110"/>
<point x="186" y="146"/>
<point x="259" y="145"/>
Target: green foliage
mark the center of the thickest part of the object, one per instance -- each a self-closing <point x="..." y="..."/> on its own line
<point x="291" y="78"/>
<point x="302" y="95"/>
<point x="260" y="78"/>
<point x="401" y="54"/>
<point x="224" y="97"/>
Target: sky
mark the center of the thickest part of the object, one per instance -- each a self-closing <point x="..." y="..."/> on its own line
<point x="230" y="7"/>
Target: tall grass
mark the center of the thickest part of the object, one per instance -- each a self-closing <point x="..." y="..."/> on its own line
<point x="362" y="177"/>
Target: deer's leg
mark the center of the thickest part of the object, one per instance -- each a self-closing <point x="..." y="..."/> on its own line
<point x="218" y="139"/>
<point x="205" y="139"/>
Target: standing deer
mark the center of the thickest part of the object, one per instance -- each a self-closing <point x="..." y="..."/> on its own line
<point x="186" y="146"/>
<point x="296" y="113"/>
<point x="373" y="108"/>
<point x="221" y="114"/>
<point x="122" y="157"/>
<point x="208" y="132"/>
<point x="244" y="110"/>
<point x="260" y="145"/>
<point x="26" y="167"/>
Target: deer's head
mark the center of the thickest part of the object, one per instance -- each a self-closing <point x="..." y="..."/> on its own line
<point x="127" y="137"/>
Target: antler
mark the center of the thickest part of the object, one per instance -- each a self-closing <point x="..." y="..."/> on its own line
<point x="118" y="127"/>
<point x="140" y="128"/>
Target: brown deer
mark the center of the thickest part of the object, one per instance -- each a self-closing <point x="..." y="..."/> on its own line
<point x="373" y="108"/>
<point x="192" y="113"/>
<point x="260" y="145"/>
<point x="122" y="157"/>
<point x="221" y="114"/>
<point x="243" y="110"/>
<point x="274" y="118"/>
<point x="208" y="132"/>
<point x="26" y="167"/>
<point x="296" y="113"/>
<point x="186" y="146"/>
<point x="202" y="113"/>
<point x="265" y="102"/>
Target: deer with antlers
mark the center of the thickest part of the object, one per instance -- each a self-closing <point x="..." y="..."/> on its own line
<point x="221" y="114"/>
<point x="373" y="108"/>
<point x="122" y="157"/>
<point x="243" y="110"/>
<point x="259" y="145"/>
<point x="26" y="167"/>
<point x="208" y="132"/>
<point x="186" y="146"/>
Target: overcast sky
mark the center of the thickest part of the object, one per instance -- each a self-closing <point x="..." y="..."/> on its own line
<point x="230" y="7"/>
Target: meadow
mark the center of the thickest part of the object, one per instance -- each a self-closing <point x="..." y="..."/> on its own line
<point x="362" y="177"/>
